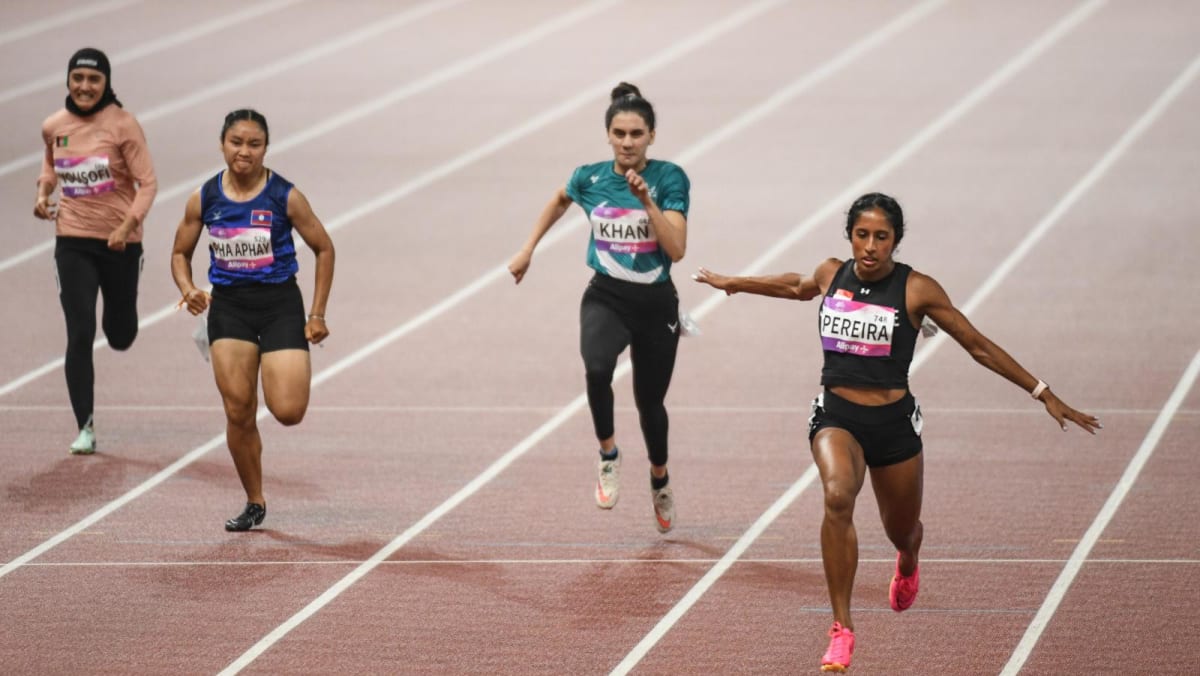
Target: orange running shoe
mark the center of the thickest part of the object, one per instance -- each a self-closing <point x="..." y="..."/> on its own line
<point x="841" y="648"/>
<point x="903" y="590"/>
<point x="664" y="508"/>
<point x="608" y="482"/>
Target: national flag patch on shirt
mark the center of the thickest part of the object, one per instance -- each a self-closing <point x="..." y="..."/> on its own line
<point x="260" y="218"/>
<point x="61" y="141"/>
<point x="844" y="293"/>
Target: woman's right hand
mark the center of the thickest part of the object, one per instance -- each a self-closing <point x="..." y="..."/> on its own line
<point x="706" y="276"/>
<point x="519" y="264"/>
<point x="196" y="301"/>
<point x="44" y="208"/>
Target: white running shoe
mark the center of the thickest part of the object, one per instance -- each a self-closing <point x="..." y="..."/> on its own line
<point x="85" y="443"/>
<point x="608" y="483"/>
<point x="664" y="508"/>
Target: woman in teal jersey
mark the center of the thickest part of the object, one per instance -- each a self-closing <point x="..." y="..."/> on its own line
<point x="866" y="419"/>
<point x="637" y="209"/>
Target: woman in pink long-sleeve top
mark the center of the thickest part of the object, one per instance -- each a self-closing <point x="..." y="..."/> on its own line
<point x="96" y="153"/>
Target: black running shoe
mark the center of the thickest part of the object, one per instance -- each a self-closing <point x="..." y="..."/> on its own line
<point x="250" y="517"/>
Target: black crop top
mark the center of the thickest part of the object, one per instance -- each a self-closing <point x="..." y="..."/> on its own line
<point x="865" y="331"/>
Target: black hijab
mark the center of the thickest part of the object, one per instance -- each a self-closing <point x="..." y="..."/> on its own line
<point x="89" y="57"/>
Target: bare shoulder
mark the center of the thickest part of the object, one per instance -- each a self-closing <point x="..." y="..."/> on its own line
<point x="297" y="202"/>
<point x="191" y="209"/>
<point x="826" y="269"/>
<point x="921" y="280"/>
<point x="923" y="290"/>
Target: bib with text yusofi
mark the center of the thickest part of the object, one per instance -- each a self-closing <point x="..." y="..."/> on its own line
<point x="83" y="176"/>
<point x="857" y="328"/>
<point x="617" y="230"/>
<point x="244" y="248"/>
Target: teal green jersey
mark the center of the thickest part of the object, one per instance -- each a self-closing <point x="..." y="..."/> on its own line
<point x="622" y="243"/>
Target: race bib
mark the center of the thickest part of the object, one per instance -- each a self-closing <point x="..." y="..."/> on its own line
<point x="244" y="248"/>
<point x="857" y="328"/>
<point x="622" y="231"/>
<point x="82" y="176"/>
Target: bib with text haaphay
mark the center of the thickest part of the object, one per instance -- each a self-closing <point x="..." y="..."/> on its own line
<point x="245" y="248"/>
<point x="857" y="328"/>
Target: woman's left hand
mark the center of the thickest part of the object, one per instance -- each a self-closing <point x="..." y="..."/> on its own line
<point x="316" y="330"/>
<point x="117" y="238"/>
<point x="1059" y="410"/>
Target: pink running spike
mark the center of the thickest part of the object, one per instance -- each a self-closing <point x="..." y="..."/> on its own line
<point x="841" y="648"/>
<point x="903" y="590"/>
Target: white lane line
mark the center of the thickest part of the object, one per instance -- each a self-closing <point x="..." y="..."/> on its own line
<point x="662" y="58"/>
<point x="586" y="562"/>
<point x="568" y="411"/>
<point x="972" y="99"/>
<point x="62" y="19"/>
<point x="245" y="79"/>
<point x="1059" y="590"/>
<point x="534" y="408"/>
<point x="58" y="78"/>
<point x="422" y="84"/>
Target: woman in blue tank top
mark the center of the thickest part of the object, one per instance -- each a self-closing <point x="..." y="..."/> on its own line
<point x="256" y="318"/>
<point x="637" y="209"/>
<point x="866" y="418"/>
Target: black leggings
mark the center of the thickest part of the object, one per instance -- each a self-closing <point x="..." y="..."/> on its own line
<point x="87" y="266"/>
<point x="615" y="314"/>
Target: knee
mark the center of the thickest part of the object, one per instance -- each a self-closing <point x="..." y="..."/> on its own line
<point x="289" y="417"/>
<point x="839" y="501"/>
<point x="121" y="341"/>
<point x="650" y="405"/>
<point x="598" y="372"/>
<point x="80" y="333"/>
<point x="240" y="415"/>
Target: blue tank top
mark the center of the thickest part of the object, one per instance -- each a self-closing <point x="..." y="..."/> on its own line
<point x="249" y="242"/>
<point x="622" y="243"/>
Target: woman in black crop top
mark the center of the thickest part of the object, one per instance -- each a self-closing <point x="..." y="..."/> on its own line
<point x="865" y="418"/>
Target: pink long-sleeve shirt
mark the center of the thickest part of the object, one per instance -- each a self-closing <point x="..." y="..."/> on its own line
<point x="103" y="166"/>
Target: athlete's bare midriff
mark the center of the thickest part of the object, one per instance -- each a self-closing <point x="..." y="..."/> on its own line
<point x="869" y="396"/>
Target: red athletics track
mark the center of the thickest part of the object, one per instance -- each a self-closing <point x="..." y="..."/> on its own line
<point x="428" y="145"/>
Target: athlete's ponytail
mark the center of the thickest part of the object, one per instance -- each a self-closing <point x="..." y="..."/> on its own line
<point x="627" y="98"/>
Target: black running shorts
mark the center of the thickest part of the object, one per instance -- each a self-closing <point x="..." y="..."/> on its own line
<point x="268" y="315"/>
<point x="888" y="434"/>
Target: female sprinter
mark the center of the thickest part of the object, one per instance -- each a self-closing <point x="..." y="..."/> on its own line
<point x="97" y="153"/>
<point x="637" y="209"/>
<point x="256" y="321"/>
<point x="866" y="418"/>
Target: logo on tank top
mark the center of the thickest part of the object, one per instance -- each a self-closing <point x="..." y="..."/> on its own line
<point x="261" y="218"/>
